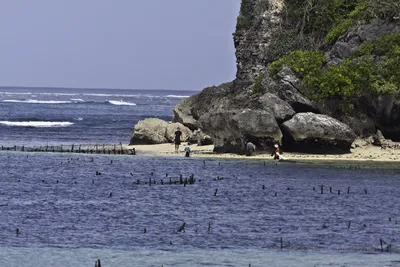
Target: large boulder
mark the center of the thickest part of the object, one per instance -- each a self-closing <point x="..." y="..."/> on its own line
<point x="149" y="131"/>
<point x="289" y="91"/>
<point x="273" y="104"/>
<point x="316" y="133"/>
<point x="157" y="131"/>
<point x="231" y="129"/>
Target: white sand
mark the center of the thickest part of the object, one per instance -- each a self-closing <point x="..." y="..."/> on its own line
<point x="372" y="153"/>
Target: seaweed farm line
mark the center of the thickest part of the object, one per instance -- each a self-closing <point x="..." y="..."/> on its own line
<point x="176" y="211"/>
<point x="85" y="149"/>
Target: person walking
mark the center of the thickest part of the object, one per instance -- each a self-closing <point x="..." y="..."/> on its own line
<point x="177" y="140"/>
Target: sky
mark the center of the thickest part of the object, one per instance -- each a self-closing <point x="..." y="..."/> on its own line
<point x="122" y="44"/>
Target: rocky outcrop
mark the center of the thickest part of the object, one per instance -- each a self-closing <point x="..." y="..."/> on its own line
<point x="253" y="39"/>
<point x="289" y="87"/>
<point x="157" y="131"/>
<point x="149" y="131"/>
<point x="212" y="98"/>
<point x="255" y="105"/>
<point x="274" y="105"/>
<point x="231" y="129"/>
<point x="200" y="138"/>
<point x="317" y="133"/>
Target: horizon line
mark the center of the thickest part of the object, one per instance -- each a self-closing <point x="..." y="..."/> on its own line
<point x="90" y="88"/>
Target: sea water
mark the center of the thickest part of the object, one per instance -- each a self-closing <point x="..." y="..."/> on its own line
<point x="71" y="209"/>
<point x="86" y="116"/>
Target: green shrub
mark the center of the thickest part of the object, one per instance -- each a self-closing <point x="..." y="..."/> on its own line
<point x="373" y="69"/>
<point x="337" y="31"/>
<point x="383" y="45"/>
<point x="257" y="86"/>
<point x="301" y="62"/>
<point x="348" y="21"/>
<point x="345" y="81"/>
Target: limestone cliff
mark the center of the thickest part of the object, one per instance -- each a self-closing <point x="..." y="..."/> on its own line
<point x="268" y="31"/>
<point x="257" y="23"/>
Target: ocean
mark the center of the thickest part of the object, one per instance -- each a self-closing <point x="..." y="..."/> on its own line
<point x="41" y="116"/>
<point x="65" y="209"/>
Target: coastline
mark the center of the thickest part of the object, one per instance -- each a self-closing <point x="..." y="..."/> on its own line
<point x="366" y="153"/>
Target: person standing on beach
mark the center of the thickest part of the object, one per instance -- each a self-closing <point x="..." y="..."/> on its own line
<point x="177" y="140"/>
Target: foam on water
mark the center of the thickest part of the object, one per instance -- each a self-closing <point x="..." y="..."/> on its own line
<point x="37" y="123"/>
<point x="121" y="103"/>
<point x="177" y="96"/>
<point x="34" y="101"/>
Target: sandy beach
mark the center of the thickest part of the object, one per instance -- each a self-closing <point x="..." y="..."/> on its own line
<point x="365" y="153"/>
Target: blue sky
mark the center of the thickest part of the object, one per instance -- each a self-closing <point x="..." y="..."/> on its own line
<point x="126" y="44"/>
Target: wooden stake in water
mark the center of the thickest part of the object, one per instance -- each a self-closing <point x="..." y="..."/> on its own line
<point x="281" y="242"/>
<point x="182" y="228"/>
<point x="215" y="193"/>
<point x="348" y="190"/>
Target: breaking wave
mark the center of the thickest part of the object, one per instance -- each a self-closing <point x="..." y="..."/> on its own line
<point x="121" y="103"/>
<point x="177" y="96"/>
<point x="35" y="101"/>
<point x="37" y="123"/>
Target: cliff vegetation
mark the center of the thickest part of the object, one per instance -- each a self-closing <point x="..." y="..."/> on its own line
<point x="309" y="27"/>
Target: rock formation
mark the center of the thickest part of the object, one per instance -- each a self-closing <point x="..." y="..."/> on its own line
<point x="200" y="138"/>
<point x="325" y="133"/>
<point x="266" y="107"/>
<point x="232" y="129"/>
<point x="263" y="109"/>
<point x="157" y="131"/>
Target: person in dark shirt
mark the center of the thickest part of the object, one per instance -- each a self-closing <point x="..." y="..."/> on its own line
<point x="177" y="141"/>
